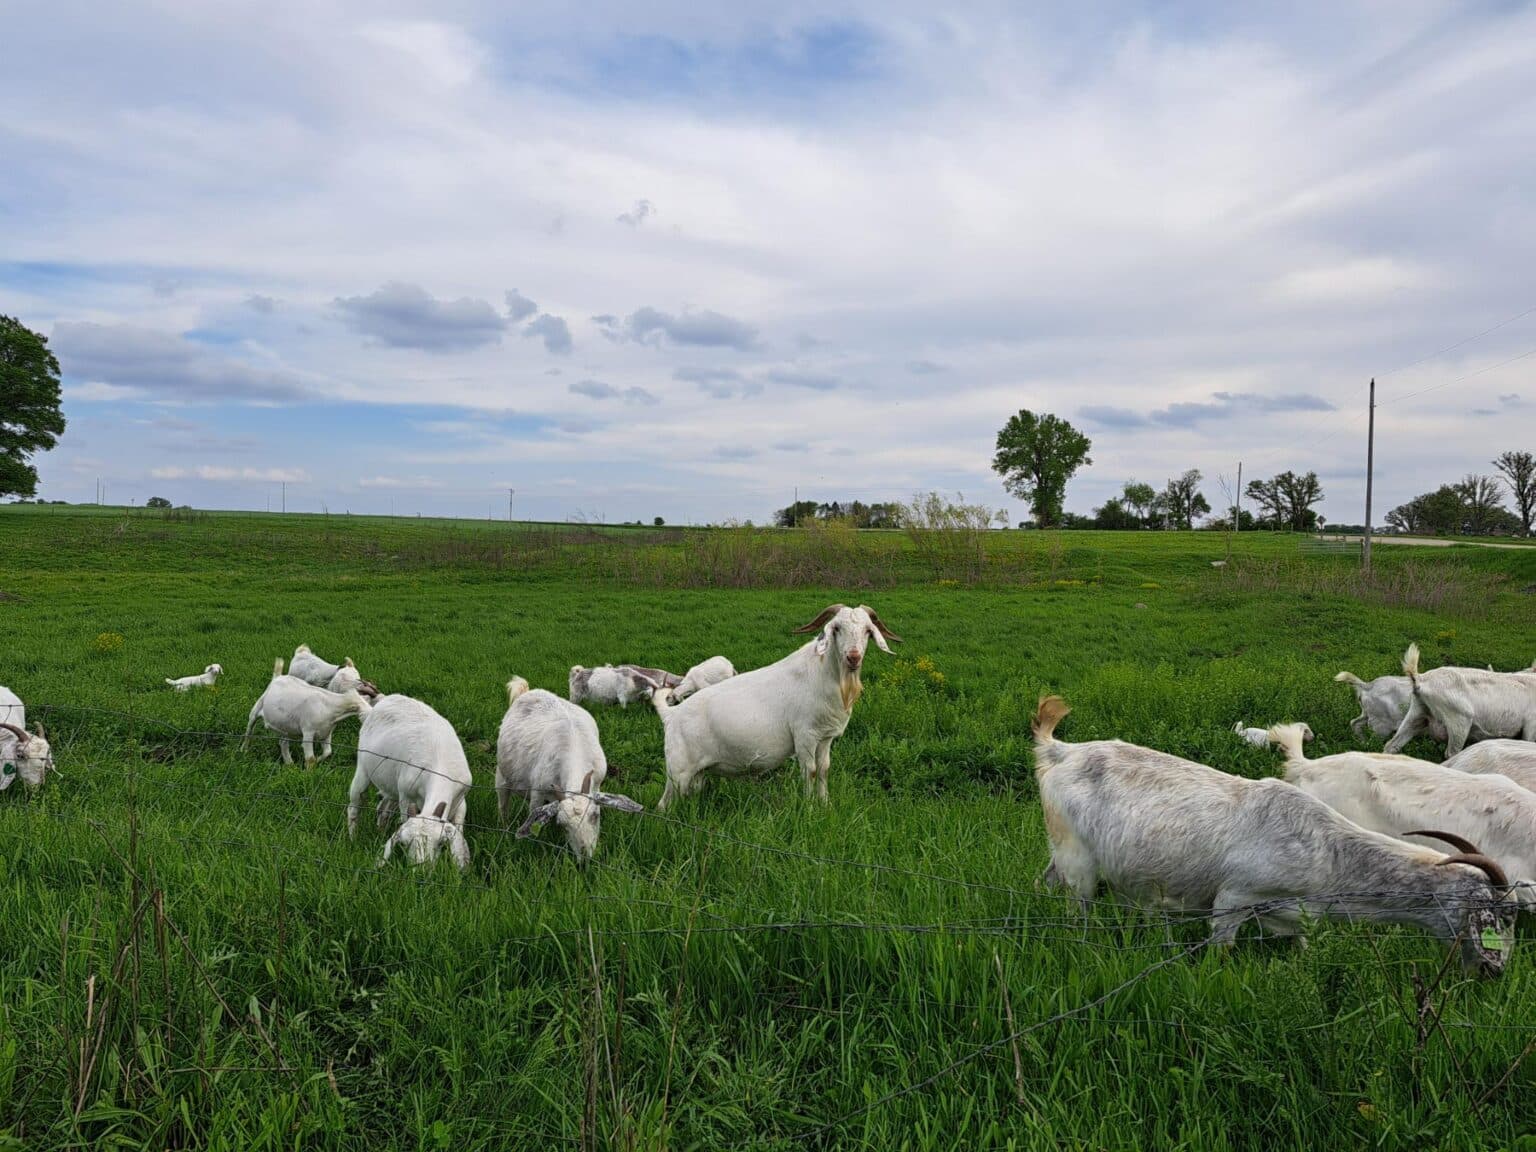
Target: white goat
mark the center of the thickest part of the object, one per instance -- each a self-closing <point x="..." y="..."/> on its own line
<point x="702" y="675"/>
<point x="209" y="677"/>
<point x="623" y="685"/>
<point x="1392" y="794"/>
<point x="658" y="676"/>
<point x="752" y="723"/>
<point x="1383" y="704"/>
<point x="1515" y="759"/>
<point x="22" y="754"/>
<point x="1468" y="703"/>
<point x="1258" y="737"/>
<point x="548" y="751"/>
<point x="413" y="758"/>
<point x="342" y="677"/>
<point x="1176" y="834"/>
<point x="297" y="710"/>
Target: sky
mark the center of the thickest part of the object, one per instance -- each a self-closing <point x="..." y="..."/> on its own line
<point x="691" y="261"/>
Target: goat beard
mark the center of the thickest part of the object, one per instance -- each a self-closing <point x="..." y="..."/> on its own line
<point x="851" y="687"/>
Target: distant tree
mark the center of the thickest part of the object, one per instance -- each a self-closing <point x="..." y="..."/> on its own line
<point x="157" y="502"/>
<point x="1182" y="499"/>
<point x="1115" y="516"/>
<point x="1519" y="471"/>
<point x="1482" y="502"/>
<point x="1139" y="498"/>
<point x="658" y="522"/>
<point x="1442" y="512"/>
<point x="1287" y="500"/>
<point x="30" y="417"/>
<point x="1036" y="456"/>
<point x="796" y="514"/>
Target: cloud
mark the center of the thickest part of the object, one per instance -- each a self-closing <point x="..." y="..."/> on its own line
<point x="598" y="390"/>
<point x="221" y="473"/>
<point x="266" y="305"/>
<point x="735" y="452"/>
<point x="555" y="332"/>
<point x="721" y="383"/>
<point x="703" y="329"/>
<point x="404" y="315"/>
<point x="1187" y="414"/>
<point x="790" y="446"/>
<point x="160" y="364"/>
<point x="637" y="215"/>
<point x="925" y="367"/>
<point x="519" y="307"/>
<point x="798" y="378"/>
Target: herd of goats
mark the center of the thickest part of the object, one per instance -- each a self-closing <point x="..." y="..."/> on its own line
<point x="1340" y="836"/>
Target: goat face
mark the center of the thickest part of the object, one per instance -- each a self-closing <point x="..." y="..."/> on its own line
<point x="423" y="837"/>
<point x="33" y="757"/>
<point x="846" y="633"/>
<point x="1488" y="938"/>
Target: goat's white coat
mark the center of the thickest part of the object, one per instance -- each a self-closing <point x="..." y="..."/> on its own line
<point x="548" y="751"/>
<point x="1468" y="702"/>
<point x="206" y="679"/>
<point x="753" y="722"/>
<point x="1383" y="704"/>
<point x="413" y="758"/>
<point x="702" y="675"/>
<point x="1395" y="795"/>
<point x="26" y="755"/>
<point x="1514" y="759"/>
<point x="296" y="710"/>
<point x="1258" y="737"/>
<point x="606" y="684"/>
<point x="1180" y="835"/>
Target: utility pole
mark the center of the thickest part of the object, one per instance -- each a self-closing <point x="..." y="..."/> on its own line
<point x="1237" y="503"/>
<point x="285" y="497"/>
<point x="511" y="492"/>
<point x="1370" y="468"/>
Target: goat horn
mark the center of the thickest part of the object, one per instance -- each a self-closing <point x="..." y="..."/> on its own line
<point x="1456" y="842"/>
<point x="586" y="785"/>
<point x="815" y="625"/>
<point x="874" y="618"/>
<point x="21" y="734"/>
<point x="1478" y="860"/>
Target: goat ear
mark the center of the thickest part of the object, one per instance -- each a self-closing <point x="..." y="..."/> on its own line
<point x="437" y="813"/>
<point x="622" y="803"/>
<point x="541" y="815"/>
<point x="826" y="614"/>
<point x="882" y="633"/>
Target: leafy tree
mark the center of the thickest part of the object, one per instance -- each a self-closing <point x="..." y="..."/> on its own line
<point x="1287" y="500"/>
<point x="1139" y="498"/>
<point x="796" y="514"/>
<point x="1182" y="499"/>
<point x="157" y="502"/>
<point x="1115" y="516"/>
<point x="1481" y="503"/>
<point x="1519" y="471"/>
<point x="30" y="419"/>
<point x="1036" y="456"/>
<point x="658" y="522"/>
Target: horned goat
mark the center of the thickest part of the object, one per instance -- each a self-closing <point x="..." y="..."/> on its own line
<point x="1389" y="794"/>
<point x="548" y="752"/>
<point x="606" y="684"/>
<point x="413" y="758"/>
<point x="753" y="722"/>
<point x="23" y="754"/>
<point x="1170" y="832"/>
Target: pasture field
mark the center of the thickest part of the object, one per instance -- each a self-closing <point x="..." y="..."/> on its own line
<point x="195" y="956"/>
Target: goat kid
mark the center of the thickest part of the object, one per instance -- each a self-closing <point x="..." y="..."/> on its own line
<point x="207" y="679"/>
<point x="296" y="710"/>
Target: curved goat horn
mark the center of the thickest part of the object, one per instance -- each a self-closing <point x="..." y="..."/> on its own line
<point x="1457" y="842"/>
<point x="21" y="734"/>
<point x="1489" y="866"/>
<point x="815" y="625"/>
<point x="874" y="618"/>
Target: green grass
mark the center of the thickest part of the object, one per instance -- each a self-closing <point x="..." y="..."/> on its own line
<point x="782" y="967"/>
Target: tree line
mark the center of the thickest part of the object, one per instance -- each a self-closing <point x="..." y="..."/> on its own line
<point x="1474" y="506"/>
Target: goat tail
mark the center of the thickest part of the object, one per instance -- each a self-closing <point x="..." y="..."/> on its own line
<point x="1051" y="711"/>
<point x="277" y="668"/>
<point x="1349" y="678"/>
<point x="1411" y="665"/>
<point x="515" y="688"/>
<point x="1289" y="737"/>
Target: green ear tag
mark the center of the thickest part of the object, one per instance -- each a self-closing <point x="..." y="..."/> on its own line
<point x="1492" y="940"/>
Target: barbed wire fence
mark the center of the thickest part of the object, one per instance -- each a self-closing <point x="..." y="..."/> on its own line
<point x="147" y="925"/>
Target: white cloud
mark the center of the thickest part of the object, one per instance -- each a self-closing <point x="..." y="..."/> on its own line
<point x="219" y="473"/>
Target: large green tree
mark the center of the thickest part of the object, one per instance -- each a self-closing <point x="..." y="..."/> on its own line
<point x="1036" y="456"/>
<point x="30" y="419"/>
<point x="1183" y="500"/>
